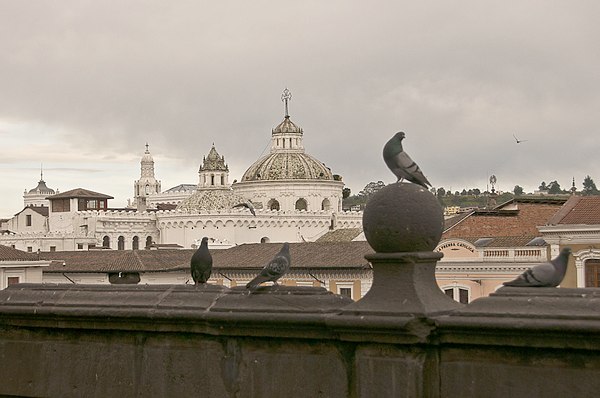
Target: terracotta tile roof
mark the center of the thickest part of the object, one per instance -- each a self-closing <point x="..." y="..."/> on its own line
<point x="495" y="223"/>
<point x="80" y="193"/>
<point x="9" y="254"/>
<point x="42" y="210"/>
<point x="311" y="255"/>
<point x="340" y="235"/>
<point x="579" y="210"/>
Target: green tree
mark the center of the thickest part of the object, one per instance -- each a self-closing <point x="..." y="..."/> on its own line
<point x="441" y="192"/>
<point x="346" y="193"/>
<point x="543" y="186"/>
<point x="554" y="188"/>
<point x="589" y="187"/>
<point x="371" y="188"/>
<point x="518" y="190"/>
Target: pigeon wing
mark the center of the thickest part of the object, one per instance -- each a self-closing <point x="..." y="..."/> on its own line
<point x="410" y="170"/>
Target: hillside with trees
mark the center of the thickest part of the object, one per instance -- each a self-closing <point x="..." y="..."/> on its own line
<point x="470" y="197"/>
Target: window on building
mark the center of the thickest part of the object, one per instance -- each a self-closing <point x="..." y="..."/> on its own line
<point x="222" y="180"/>
<point x="301" y="204"/>
<point x="28" y="220"/>
<point x="326" y="204"/>
<point x="52" y="248"/>
<point x="91" y="246"/>
<point x="265" y="239"/>
<point x="148" y="241"/>
<point x="102" y="204"/>
<point x="592" y="273"/>
<point x="457" y="293"/>
<point x="135" y="243"/>
<point x="106" y="241"/>
<point x="121" y="243"/>
<point x="61" y="205"/>
<point x="13" y="280"/>
<point x="80" y="246"/>
<point x="273" y="204"/>
<point x="345" y="288"/>
<point x="212" y="180"/>
<point x="29" y="249"/>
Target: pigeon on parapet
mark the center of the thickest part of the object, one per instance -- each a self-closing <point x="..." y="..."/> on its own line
<point x="548" y="274"/>
<point x="248" y="206"/>
<point x="275" y="269"/>
<point x="201" y="263"/>
<point x="401" y="164"/>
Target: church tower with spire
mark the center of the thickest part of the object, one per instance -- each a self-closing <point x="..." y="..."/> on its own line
<point x="147" y="185"/>
<point x="37" y="196"/>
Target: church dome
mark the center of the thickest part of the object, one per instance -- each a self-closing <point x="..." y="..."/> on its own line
<point x="287" y="159"/>
<point x="211" y="199"/>
<point x="42" y="189"/>
<point x="287" y="126"/>
<point x="214" y="161"/>
<point x="287" y="166"/>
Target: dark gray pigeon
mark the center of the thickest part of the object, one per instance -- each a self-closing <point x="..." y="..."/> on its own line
<point x="275" y="269"/>
<point x="401" y="164"/>
<point x="248" y="206"/>
<point x="201" y="263"/>
<point x="548" y="274"/>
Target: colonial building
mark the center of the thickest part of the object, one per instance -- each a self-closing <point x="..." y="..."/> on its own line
<point x="296" y="197"/>
<point x="17" y="266"/>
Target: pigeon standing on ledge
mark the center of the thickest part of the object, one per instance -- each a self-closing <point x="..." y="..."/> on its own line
<point x="401" y="164"/>
<point x="201" y="263"/>
<point x="275" y="269"/>
<point x="548" y="274"/>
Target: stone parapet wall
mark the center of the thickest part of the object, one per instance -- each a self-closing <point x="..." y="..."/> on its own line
<point x="163" y="340"/>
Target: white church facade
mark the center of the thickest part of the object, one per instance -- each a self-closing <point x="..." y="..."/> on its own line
<point x="294" y="197"/>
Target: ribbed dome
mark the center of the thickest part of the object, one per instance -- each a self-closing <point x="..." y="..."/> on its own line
<point x="287" y="166"/>
<point x="211" y="199"/>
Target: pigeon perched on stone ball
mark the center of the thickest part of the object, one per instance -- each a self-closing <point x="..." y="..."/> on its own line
<point x="548" y="274"/>
<point x="201" y="263"/>
<point x="275" y="269"/>
<point x="398" y="161"/>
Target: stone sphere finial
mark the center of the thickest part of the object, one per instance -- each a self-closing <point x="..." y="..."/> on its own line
<point x="403" y="217"/>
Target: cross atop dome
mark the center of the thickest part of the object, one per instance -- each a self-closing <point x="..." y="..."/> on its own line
<point x="286" y="97"/>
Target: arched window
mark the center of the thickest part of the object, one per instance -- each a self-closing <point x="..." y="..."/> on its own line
<point x="148" y="241"/>
<point x="222" y="179"/>
<point x="326" y="204"/>
<point x="121" y="243"/>
<point x="301" y="204"/>
<point x="106" y="241"/>
<point x="457" y="293"/>
<point x="265" y="239"/>
<point x="147" y="189"/>
<point x="212" y="179"/>
<point x="135" y="244"/>
<point x="273" y="204"/>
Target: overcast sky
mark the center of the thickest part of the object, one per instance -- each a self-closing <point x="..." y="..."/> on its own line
<point x="85" y="84"/>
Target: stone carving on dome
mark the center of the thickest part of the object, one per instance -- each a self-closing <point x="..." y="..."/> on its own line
<point x="214" y="162"/>
<point x="287" y="166"/>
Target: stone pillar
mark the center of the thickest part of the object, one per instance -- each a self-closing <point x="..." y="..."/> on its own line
<point x="403" y="223"/>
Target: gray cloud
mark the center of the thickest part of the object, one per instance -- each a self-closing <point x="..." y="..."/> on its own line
<point x="458" y="78"/>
